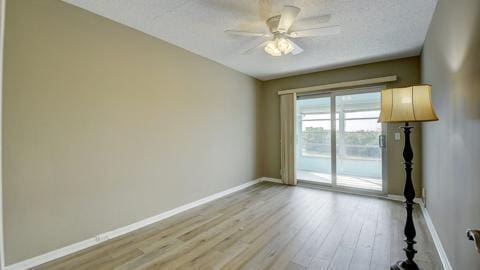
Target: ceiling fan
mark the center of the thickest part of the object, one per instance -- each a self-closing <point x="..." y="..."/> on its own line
<point x="280" y="35"/>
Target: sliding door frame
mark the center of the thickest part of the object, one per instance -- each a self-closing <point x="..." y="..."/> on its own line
<point x="333" y="139"/>
<point x="2" y="35"/>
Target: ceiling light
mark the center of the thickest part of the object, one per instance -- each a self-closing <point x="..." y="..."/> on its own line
<point x="271" y="48"/>
<point x="284" y="45"/>
<point x="278" y="47"/>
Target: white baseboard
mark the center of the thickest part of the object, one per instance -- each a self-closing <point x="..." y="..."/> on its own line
<point x="402" y="198"/>
<point x="61" y="252"/>
<point x="270" y="179"/>
<point x="436" y="240"/>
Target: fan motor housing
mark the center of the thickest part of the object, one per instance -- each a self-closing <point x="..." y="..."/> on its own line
<point x="272" y="23"/>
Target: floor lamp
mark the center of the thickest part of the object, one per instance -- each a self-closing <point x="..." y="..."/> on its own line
<point x="405" y="105"/>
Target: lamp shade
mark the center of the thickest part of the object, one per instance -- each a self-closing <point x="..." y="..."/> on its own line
<point x="408" y="104"/>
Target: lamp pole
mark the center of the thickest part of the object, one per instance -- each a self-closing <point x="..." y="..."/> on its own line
<point x="409" y="193"/>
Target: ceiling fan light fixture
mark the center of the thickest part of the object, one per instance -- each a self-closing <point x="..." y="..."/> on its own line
<point x="272" y="49"/>
<point x="279" y="47"/>
<point x="282" y="42"/>
<point x="284" y="45"/>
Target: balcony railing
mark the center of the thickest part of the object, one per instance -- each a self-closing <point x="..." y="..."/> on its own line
<point x="344" y="151"/>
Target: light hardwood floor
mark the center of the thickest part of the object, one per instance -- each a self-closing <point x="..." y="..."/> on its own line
<point x="267" y="226"/>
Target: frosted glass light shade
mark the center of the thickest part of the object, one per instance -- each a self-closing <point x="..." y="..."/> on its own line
<point x="408" y="104"/>
<point x="284" y="46"/>
<point x="279" y="47"/>
<point x="271" y="48"/>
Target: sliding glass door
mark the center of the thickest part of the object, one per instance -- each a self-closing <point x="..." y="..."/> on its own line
<point x="339" y="142"/>
<point x="314" y="147"/>
<point x="359" y="141"/>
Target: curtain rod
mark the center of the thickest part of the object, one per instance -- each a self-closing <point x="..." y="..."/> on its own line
<point x="322" y="87"/>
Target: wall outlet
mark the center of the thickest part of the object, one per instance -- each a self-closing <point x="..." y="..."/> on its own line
<point x="397" y="136"/>
<point x="101" y="237"/>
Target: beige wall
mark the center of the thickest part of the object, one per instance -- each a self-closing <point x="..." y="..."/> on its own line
<point x="105" y="126"/>
<point x="451" y="146"/>
<point x="408" y="71"/>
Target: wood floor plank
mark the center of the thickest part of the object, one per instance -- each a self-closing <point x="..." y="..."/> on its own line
<point x="382" y="241"/>
<point x="266" y="226"/>
<point x="283" y="259"/>
<point x="294" y="266"/>
<point x="267" y="255"/>
<point x="344" y="252"/>
<point x="307" y="253"/>
<point x="362" y="254"/>
<point x="325" y="253"/>
<point x="269" y="230"/>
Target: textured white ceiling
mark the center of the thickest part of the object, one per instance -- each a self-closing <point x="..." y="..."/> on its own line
<point x="372" y="30"/>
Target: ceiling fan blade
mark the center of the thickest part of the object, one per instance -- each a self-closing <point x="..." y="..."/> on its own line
<point x="296" y="49"/>
<point x="315" y="32"/>
<point x="246" y="33"/>
<point x="288" y="16"/>
<point x="324" y="18"/>
<point x="265" y="9"/>
<point x="256" y="47"/>
<point x="307" y="22"/>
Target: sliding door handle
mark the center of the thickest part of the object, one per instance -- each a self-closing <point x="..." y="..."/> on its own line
<point x="382" y="141"/>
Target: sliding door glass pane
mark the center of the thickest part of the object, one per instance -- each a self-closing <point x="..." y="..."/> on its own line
<point x="358" y="155"/>
<point x="313" y="140"/>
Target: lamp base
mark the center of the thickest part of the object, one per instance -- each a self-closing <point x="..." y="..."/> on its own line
<point x="404" y="265"/>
